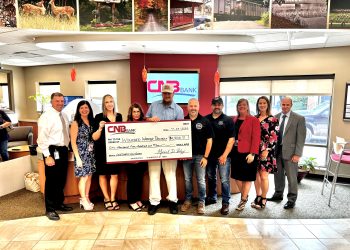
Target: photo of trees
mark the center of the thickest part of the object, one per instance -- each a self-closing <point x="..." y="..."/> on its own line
<point x="48" y="14"/>
<point x="307" y="14"/>
<point x="105" y="15"/>
<point x="8" y="13"/>
<point x="150" y="15"/>
<point x="233" y="14"/>
<point x="339" y="16"/>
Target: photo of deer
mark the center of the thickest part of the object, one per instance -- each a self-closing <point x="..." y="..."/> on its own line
<point x="339" y="16"/>
<point x="8" y="13"/>
<point x="48" y="14"/>
<point x="307" y="14"/>
<point x="105" y="15"/>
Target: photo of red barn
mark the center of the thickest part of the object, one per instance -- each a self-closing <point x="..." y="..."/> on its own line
<point x="190" y="14"/>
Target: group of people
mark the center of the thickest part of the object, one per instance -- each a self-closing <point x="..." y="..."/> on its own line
<point x="246" y="148"/>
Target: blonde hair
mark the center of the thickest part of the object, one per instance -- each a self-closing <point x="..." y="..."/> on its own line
<point x="104" y="110"/>
<point x="239" y="102"/>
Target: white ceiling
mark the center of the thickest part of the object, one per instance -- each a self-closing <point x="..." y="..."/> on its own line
<point x="41" y="47"/>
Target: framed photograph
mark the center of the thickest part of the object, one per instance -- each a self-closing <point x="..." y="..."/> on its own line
<point x="346" y="115"/>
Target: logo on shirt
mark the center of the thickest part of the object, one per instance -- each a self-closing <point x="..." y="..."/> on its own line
<point x="220" y="123"/>
<point x="199" y="126"/>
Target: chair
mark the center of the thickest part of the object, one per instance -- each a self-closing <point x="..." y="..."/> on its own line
<point x="340" y="155"/>
<point x="22" y="135"/>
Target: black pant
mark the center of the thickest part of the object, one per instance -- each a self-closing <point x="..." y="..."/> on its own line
<point x="56" y="178"/>
<point x="135" y="180"/>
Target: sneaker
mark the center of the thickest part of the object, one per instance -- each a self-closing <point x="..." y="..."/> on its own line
<point x="173" y="207"/>
<point x="241" y="205"/>
<point x="187" y="205"/>
<point x="201" y="208"/>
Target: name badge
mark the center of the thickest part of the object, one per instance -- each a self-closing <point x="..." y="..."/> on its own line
<point x="56" y="155"/>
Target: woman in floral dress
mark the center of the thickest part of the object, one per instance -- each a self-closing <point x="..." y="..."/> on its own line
<point x="83" y="149"/>
<point x="267" y="153"/>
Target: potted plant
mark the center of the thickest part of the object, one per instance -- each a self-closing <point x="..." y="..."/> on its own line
<point x="40" y="98"/>
<point x="307" y="165"/>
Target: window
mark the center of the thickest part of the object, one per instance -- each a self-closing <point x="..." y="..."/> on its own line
<point x="311" y="95"/>
<point x="4" y="96"/>
<point x="95" y="90"/>
<point x="45" y="90"/>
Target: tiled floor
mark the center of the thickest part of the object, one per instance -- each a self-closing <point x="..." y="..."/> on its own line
<point x="131" y="230"/>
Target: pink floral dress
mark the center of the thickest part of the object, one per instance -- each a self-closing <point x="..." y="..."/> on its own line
<point x="269" y="133"/>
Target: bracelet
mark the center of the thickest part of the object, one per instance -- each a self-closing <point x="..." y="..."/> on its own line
<point x="205" y="157"/>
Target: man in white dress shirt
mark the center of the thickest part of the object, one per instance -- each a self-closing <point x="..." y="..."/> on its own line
<point x="53" y="140"/>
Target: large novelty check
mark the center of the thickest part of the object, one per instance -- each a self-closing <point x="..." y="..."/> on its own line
<point x="145" y="141"/>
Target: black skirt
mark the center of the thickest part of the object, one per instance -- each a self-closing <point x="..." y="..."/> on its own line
<point x="240" y="169"/>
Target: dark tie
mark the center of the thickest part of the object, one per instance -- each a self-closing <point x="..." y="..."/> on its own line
<point x="65" y="133"/>
<point x="280" y="136"/>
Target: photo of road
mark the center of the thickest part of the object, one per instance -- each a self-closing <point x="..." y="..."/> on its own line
<point x="150" y="15"/>
<point x="152" y="24"/>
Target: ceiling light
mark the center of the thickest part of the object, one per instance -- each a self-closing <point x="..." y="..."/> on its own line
<point x="58" y="46"/>
<point x="308" y="40"/>
<point x="17" y="60"/>
<point x="2" y="43"/>
<point x="64" y="56"/>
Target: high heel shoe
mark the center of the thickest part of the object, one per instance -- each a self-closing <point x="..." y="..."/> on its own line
<point x="84" y="204"/>
<point x="92" y="204"/>
<point x="261" y="204"/>
<point x="256" y="202"/>
<point x="135" y="207"/>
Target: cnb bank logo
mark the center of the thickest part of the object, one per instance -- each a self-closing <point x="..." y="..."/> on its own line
<point x="155" y="86"/>
<point x="120" y="129"/>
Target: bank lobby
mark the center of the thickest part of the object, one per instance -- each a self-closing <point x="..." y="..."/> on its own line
<point x="265" y="56"/>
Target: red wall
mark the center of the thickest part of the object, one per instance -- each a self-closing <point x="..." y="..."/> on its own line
<point x="207" y="65"/>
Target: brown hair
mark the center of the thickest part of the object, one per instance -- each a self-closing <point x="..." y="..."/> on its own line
<point x="56" y="94"/>
<point x="268" y="110"/>
<point x="136" y="106"/>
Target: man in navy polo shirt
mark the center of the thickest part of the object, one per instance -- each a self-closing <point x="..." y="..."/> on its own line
<point x="224" y="131"/>
<point x="202" y="138"/>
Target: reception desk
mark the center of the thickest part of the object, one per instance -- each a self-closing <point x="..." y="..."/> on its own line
<point x="71" y="191"/>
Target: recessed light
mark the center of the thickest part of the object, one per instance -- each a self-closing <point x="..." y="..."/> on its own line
<point x="64" y="56"/>
<point x="17" y="60"/>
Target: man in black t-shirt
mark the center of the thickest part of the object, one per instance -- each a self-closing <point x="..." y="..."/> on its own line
<point x="224" y="131"/>
<point x="202" y="137"/>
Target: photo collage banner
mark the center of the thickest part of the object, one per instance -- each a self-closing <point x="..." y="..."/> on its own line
<point x="173" y="15"/>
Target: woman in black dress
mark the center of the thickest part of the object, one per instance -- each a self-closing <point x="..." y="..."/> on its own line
<point x="135" y="170"/>
<point x="267" y="155"/>
<point x="102" y="168"/>
<point x="247" y="141"/>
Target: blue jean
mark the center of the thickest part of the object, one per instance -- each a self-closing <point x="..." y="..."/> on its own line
<point x="3" y="150"/>
<point x="224" y="171"/>
<point x="188" y="167"/>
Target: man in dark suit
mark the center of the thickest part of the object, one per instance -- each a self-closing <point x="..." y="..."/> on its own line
<point x="291" y="142"/>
